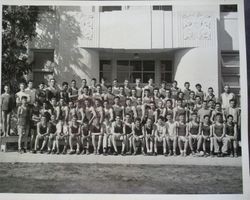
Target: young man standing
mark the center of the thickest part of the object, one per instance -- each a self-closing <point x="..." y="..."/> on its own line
<point x="171" y="126"/>
<point x="231" y="135"/>
<point x="182" y="135"/>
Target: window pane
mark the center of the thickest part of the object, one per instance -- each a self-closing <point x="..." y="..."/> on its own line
<point x="134" y="76"/>
<point x="148" y="65"/>
<point x="230" y="59"/>
<point x="107" y="75"/>
<point x="166" y="65"/>
<point x="110" y="8"/>
<point x="42" y="58"/>
<point x="105" y="65"/>
<point x="228" y="8"/>
<point x="166" y="8"/>
<point x="122" y="76"/>
<point x="135" y="65"/>
<point x="147" y="76"/>
<point x="166" y="77"/>
<point x="122" y="65"/>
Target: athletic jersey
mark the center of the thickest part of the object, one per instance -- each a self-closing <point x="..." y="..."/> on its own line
<point x="106" y="113"/>
<point x="7" y="102"/>
<point x="138" y="91"/>
<point x="117" y="111"/>
<point x="156" y="100"/>
<point x="146" y="100"/>
<point x="160" y="112"/>
<point x="127" y="91"/>
<point x="74" y="130"/>
<point x="128" y="129"/>
<point x="181" y="129"/>
<point x="52" y="93"/>
<point x="138" y="109"/>
<point x="41" y="95"/>
<point x="194" y="128"/>
<point x="171" y="126"/>
<point x="52" y="128"/>
<point x="150" y="114"/>
<point x="133" y="101"/>
<point x="118" y="129"/>
<point x="201" y="94"/>
<point x="78" y="113"/>
<point x="160" y="129"/>
<point x="205" y="129"/>
<point x="174" y="92"/>
<point x="186" y="93"/>
<point x="95" y="129"/>
<point x="198" y="107"/>
<point x="109" y="97"/>
<point x="42" y="129"/>
<point x="138" y="131"/>
<point x="178" y="112"/>
<point x="97" y="96"/>
<point x="115" y="90"/>
<point x="128" y="110"/>
<point x="202" y="112"/>
<point x="85" y="130"/>
<point x="230" y="129"/>
<point x="73" y="91"/>
<point x="23" y="116"/>
<point x="88" y="114"/>
<point x="99" y="112"/>
<point x="149" y="130"/>
<point x="218" y="130"/>
<point x="162" y="92"/>
<point x="59" y="129"/>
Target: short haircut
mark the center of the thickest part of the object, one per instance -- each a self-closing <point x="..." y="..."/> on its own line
<point x="194" y="113"/>
<point x="73" y="81"/>
<point x="24" y="97"/>
<point x="198" y="85"/>
<point x="93" y="79"/>
<point x="30" y="81"/>
<point x="218" y="114"/>
<point x="86" y="87"/>
<point x="175" y="81"/>
<point x="210" y="88"/>
<point x="110" y="86"/>
<point x="218" y="103"/>
<point x="117" y="97"/>
<point x="64" y="83"/>
<point x="146" y="90"/>
<point x="137" y="119"/>
<point x="161" y="118"/>
<point x="230" y="116"/>
<point x="205" y="116"/>
<point x="232" y="100"/>
<point x="186" y="83"/>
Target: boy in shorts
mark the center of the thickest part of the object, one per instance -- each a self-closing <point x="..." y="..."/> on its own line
<point x="160" y="136"/>
<point x="149" y="132"/>
<point x="62" y="134"/>
<point x="231" y="135"/>
<point x="23" y="124"/>
<point x="206" y="135"/>
<point x="171" y="126"/>
<point x="138" y="136"/>
<point x="182" y="135"/>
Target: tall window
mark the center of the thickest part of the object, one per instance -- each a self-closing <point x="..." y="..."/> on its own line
<point x="166" y="71"/>
<point x="106" y="70"/>
<point x="162" y="7"/>
<point x="228" y="8"/>
<point x="109" y="8"/>
<point x="132" y="69"/>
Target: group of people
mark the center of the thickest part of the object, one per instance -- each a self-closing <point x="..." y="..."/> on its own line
<point x="149" y="120"/>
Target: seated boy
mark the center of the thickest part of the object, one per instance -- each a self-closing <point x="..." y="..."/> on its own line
<point x="138" y="136"/>
<point x="160" y="135"/>
<point x="171" y="134"/>
<point x="231" y="135"/>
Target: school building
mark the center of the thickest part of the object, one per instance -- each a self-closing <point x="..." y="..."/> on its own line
<point x="177" y="40"/>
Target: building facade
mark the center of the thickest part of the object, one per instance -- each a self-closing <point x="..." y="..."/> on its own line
<point x="183" y="42"/>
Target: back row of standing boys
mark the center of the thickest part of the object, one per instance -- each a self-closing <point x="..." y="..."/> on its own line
<point x="182" y="121"/>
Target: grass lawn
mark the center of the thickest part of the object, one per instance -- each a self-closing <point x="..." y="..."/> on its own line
<point x="104" y="178"/>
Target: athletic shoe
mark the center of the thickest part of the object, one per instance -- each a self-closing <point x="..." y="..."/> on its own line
<point x="34" y="151"/>
<point x="49" y="152"/>
<point x="57" y="152"/>
<point x="71" y="152"/>
<point x="165" y="154"/>
<point x="236" y="155"/>
<point x="115" y="153"/>
<point x="155" y="154"/>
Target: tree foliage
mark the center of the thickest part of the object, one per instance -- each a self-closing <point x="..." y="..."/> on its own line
<point x="18" y="27"/>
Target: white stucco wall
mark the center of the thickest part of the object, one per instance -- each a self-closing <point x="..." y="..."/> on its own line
<point x="197" y="65"/>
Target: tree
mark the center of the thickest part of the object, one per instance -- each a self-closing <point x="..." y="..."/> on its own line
<point x="18" y="27"/>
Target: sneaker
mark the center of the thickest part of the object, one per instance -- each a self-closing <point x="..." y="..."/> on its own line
<point x="129" y="153"/>
<point x="64" y="152"/>
<point x="109" y="151"/>
<point x="57" y="152"/>
<point x="83" y="152"/>
<point x="20" y="151"/>
<point x="175" y="154"/>
<point x="87" y="152"/>
<point x="41" y="152"/>
<point x="24" y="150"/>
<point x="49" y="152"/>
<point x="185" y="154"/>
<point x="71" y="152"/>
<point x="165" y="154"/>
<point x="34" y="151"/>
<point x="123" y="154"/>
<point x="155" y="153"/>
<point x="78" y="152"/>
<point x="231" y="155"/>
<point x="236" y="155"/>
<point x="115" y="153"/>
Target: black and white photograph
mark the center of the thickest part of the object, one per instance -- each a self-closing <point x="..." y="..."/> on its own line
<point x="124" y="97"/>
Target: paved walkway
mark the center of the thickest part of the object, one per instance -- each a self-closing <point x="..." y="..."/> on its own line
<point x="13" y="157"/>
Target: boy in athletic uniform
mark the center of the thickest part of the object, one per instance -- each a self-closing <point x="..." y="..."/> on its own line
<point x="226" y="96"/>
<point x="138" y="88"/>
<point x="122" y="95"/>
<point x="74" y="135"/>
<point x="218" y="131"/>
<point x="139" y="109"/>
<point x="217" y="109"/>
<point x="133" y="97"/>
<point x="156" y="97"/>
<point x="232" y="110"/>
<point x="85" y="138"/>
<point x="138" y="136"/>
<point x="186" y="91"/>
<point x="96" y="131"/>
<point x="73" y="92"/>
<point x="171" y="127"/>
<point x="31" y="92"/>
<point x="169" y="107"/>
<point x="92" y="87"/>
<point x="182" y="135"/>
<point x="231" y="135"/>
<point x="162" y="90"/>
<point x="161" y="110"/>
<point x="127" y="129"/>
<point x="20" y="94"/>
<point x="210" y="95"/>
<point x="23" y="124"/>
<point x="190" y="111"/>
<point x="107" y="136"/>
<point x="34" y="121"/>
<point x="83" y="95"/>
<point x="62" y="134"/>
<point x="117" y="108"/>
<point x="118" y="134"/>
<point x="127" y="90"/>
<point x="88" y="111"/>
<point x="109" y="96"/>
<point x="199" y="91"/>
<point x="174" y="90"/>
<point x="98" y="109"/>
<point x="103" y="86"/>
<point x="160" y="136"/>
<point x="149" y="87"/>
<point x="206" y="135"/>
<point x="178" y="110"/>
<point x="52" y="90"/>
<point x="150" y="112"/>
<point x="193" y="133"/>
<point x="115" y="87"/>
<point x="41" y="94"/>
<point x="149" y="132"/>
<point x="203" y="111"/>
<point x="52" y="135"/>
<point x="7" y="104"/>
<point x="146" y="99"/>
<point x="198" y="103"/>
<point x="42" y="134"/>
<point x="128" y="108"/>
<point x="84" y="85"/>
<point x="97" y="95"/>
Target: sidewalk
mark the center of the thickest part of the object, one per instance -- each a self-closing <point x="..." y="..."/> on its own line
<point x="13" y="157"/>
